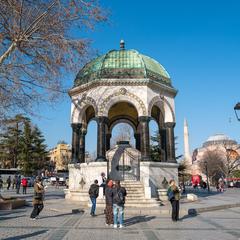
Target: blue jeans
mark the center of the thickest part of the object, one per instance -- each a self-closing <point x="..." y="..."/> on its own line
<point x="118" y="213"/>
<point x="93" y="200"/>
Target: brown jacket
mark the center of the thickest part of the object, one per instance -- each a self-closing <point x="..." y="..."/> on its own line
<point x="38" y="193"/>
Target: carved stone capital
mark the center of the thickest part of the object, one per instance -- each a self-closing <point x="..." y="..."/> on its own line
<point x="169" y="124"/>
<point x="102" y="119"/>
<point x="144" y="119"/>
<point x="76" y="126"/>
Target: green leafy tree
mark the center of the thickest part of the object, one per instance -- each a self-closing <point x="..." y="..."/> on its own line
<point x="33" y="156"/>
<point x="9" y="141"/>
<point x="236" y="174"/>
<point x="40" y="154"/>
<point x="26" y="154"/>
<point x="22" y="145"/>
<point x="155" y="150"/>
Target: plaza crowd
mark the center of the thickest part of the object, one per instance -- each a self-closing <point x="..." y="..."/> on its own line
<point x="15" y="183"/>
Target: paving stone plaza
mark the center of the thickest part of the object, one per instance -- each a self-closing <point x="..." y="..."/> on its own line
<point x="57" y="222"/>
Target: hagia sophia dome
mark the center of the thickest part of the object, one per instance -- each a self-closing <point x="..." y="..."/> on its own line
<point x="218" y="139"/>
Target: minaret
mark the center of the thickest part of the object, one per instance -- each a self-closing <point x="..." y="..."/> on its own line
<point x="187" y="155"/>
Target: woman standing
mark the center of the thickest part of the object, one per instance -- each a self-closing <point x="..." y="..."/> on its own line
<point x="109" y="203"/>
<point x="37" y="198"/>
<point x="174" y="197"/>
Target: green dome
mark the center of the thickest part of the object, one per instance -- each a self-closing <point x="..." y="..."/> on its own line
<point x="122" y="64"/>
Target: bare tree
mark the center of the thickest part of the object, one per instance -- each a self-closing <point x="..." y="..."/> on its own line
<point x="38" y="46"/>
<point x="232" y="159"/>
<point x="212" y="163"/>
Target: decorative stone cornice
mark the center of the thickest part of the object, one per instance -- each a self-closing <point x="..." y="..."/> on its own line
<point x="123" y="82"/>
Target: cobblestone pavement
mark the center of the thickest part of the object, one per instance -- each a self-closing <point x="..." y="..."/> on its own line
<point x="219" y="225"/>
<point x="57" y="222"/>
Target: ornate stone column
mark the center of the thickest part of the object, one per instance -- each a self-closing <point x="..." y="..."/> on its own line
<point x="145" y="141"/>
<point x="170" y="141"/>
<point x="137" y="137"/>
<point x="102" y="143"/>
<point x="76" y="127"/>
<point x="162" y="144"/>
<point x="108" y="139"/>
<point x="82" y="135"/>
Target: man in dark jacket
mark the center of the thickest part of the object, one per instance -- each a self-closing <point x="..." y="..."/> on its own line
<point x="18" y="184"/>
<point x="37" y="198"/>
<point x="119" y="194"/>
<point x="93" y="194"/>
<point x="174" y="197"/>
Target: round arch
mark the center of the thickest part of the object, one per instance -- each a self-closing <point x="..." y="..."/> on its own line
<point x="80" y="107"/>
<point x="122" y="120"/>
<point x="164" y="106"/>
<point x="122" y="96"/>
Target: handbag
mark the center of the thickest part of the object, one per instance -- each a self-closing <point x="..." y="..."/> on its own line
<point x="171" y="195"/>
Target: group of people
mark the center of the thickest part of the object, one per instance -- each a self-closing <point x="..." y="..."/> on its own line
<point x="115" y="196"/>
<point x="15" y="183"/>
<point x="115" y="199"/>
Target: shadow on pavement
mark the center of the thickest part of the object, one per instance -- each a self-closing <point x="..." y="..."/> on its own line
<point x="187" y="216"/>
<point x="25" y="236"/>
<point x="137" y="219"/>
<point x="59" y="215"/>
<point x="8" y="212"/>
<point x="7" y="218"/>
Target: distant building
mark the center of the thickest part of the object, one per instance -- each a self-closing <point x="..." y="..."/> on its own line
<point x="60" y="156"/>
<point x="218" y="142"/>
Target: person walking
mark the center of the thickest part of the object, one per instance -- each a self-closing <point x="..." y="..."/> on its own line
<point x="14" y="182"/>
<point x="37" y="198"/>
<point x="93" y="194"/>
<point x="9" y="181"/>
<point x="109" y="203"/>
<point x="103" y="182"/>
<point x="24" y="185"/>
<point x="18" y="184"/>
<point x="119" y="194"/>
<point x="174" y="197"/>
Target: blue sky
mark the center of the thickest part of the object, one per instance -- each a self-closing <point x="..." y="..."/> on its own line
<point x="198" y="42"/>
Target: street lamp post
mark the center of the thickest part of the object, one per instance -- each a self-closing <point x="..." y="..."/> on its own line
<point x="237" y="108"/>
<point x="206" y="168"/>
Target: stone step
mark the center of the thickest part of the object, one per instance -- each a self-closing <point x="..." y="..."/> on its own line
<point x="135" y="188"/>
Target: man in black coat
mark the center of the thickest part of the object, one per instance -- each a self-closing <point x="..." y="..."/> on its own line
<point x="119" y="193"/>
<point x="93" y="194"/>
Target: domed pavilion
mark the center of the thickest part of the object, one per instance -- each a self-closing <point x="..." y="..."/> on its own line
<point x="123" y="86"/>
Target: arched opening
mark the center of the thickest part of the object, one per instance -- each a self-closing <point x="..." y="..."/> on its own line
<point x="123" y="118"/>
<point x="157" y="135"/>
<point x="90" y="131"/>
<point x="123" y="110"/>
<point x="91" y="141"/>
<point x="122" y="132"/>
<point x="89" y="114"/>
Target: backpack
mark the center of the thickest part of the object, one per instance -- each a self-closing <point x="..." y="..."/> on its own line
<point x="93" y="191"/>
<point x="170" y="194"/>
<point x="119" y="197"/>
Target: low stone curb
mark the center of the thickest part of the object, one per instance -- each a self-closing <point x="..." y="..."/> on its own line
<point x="195" y="211"/>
